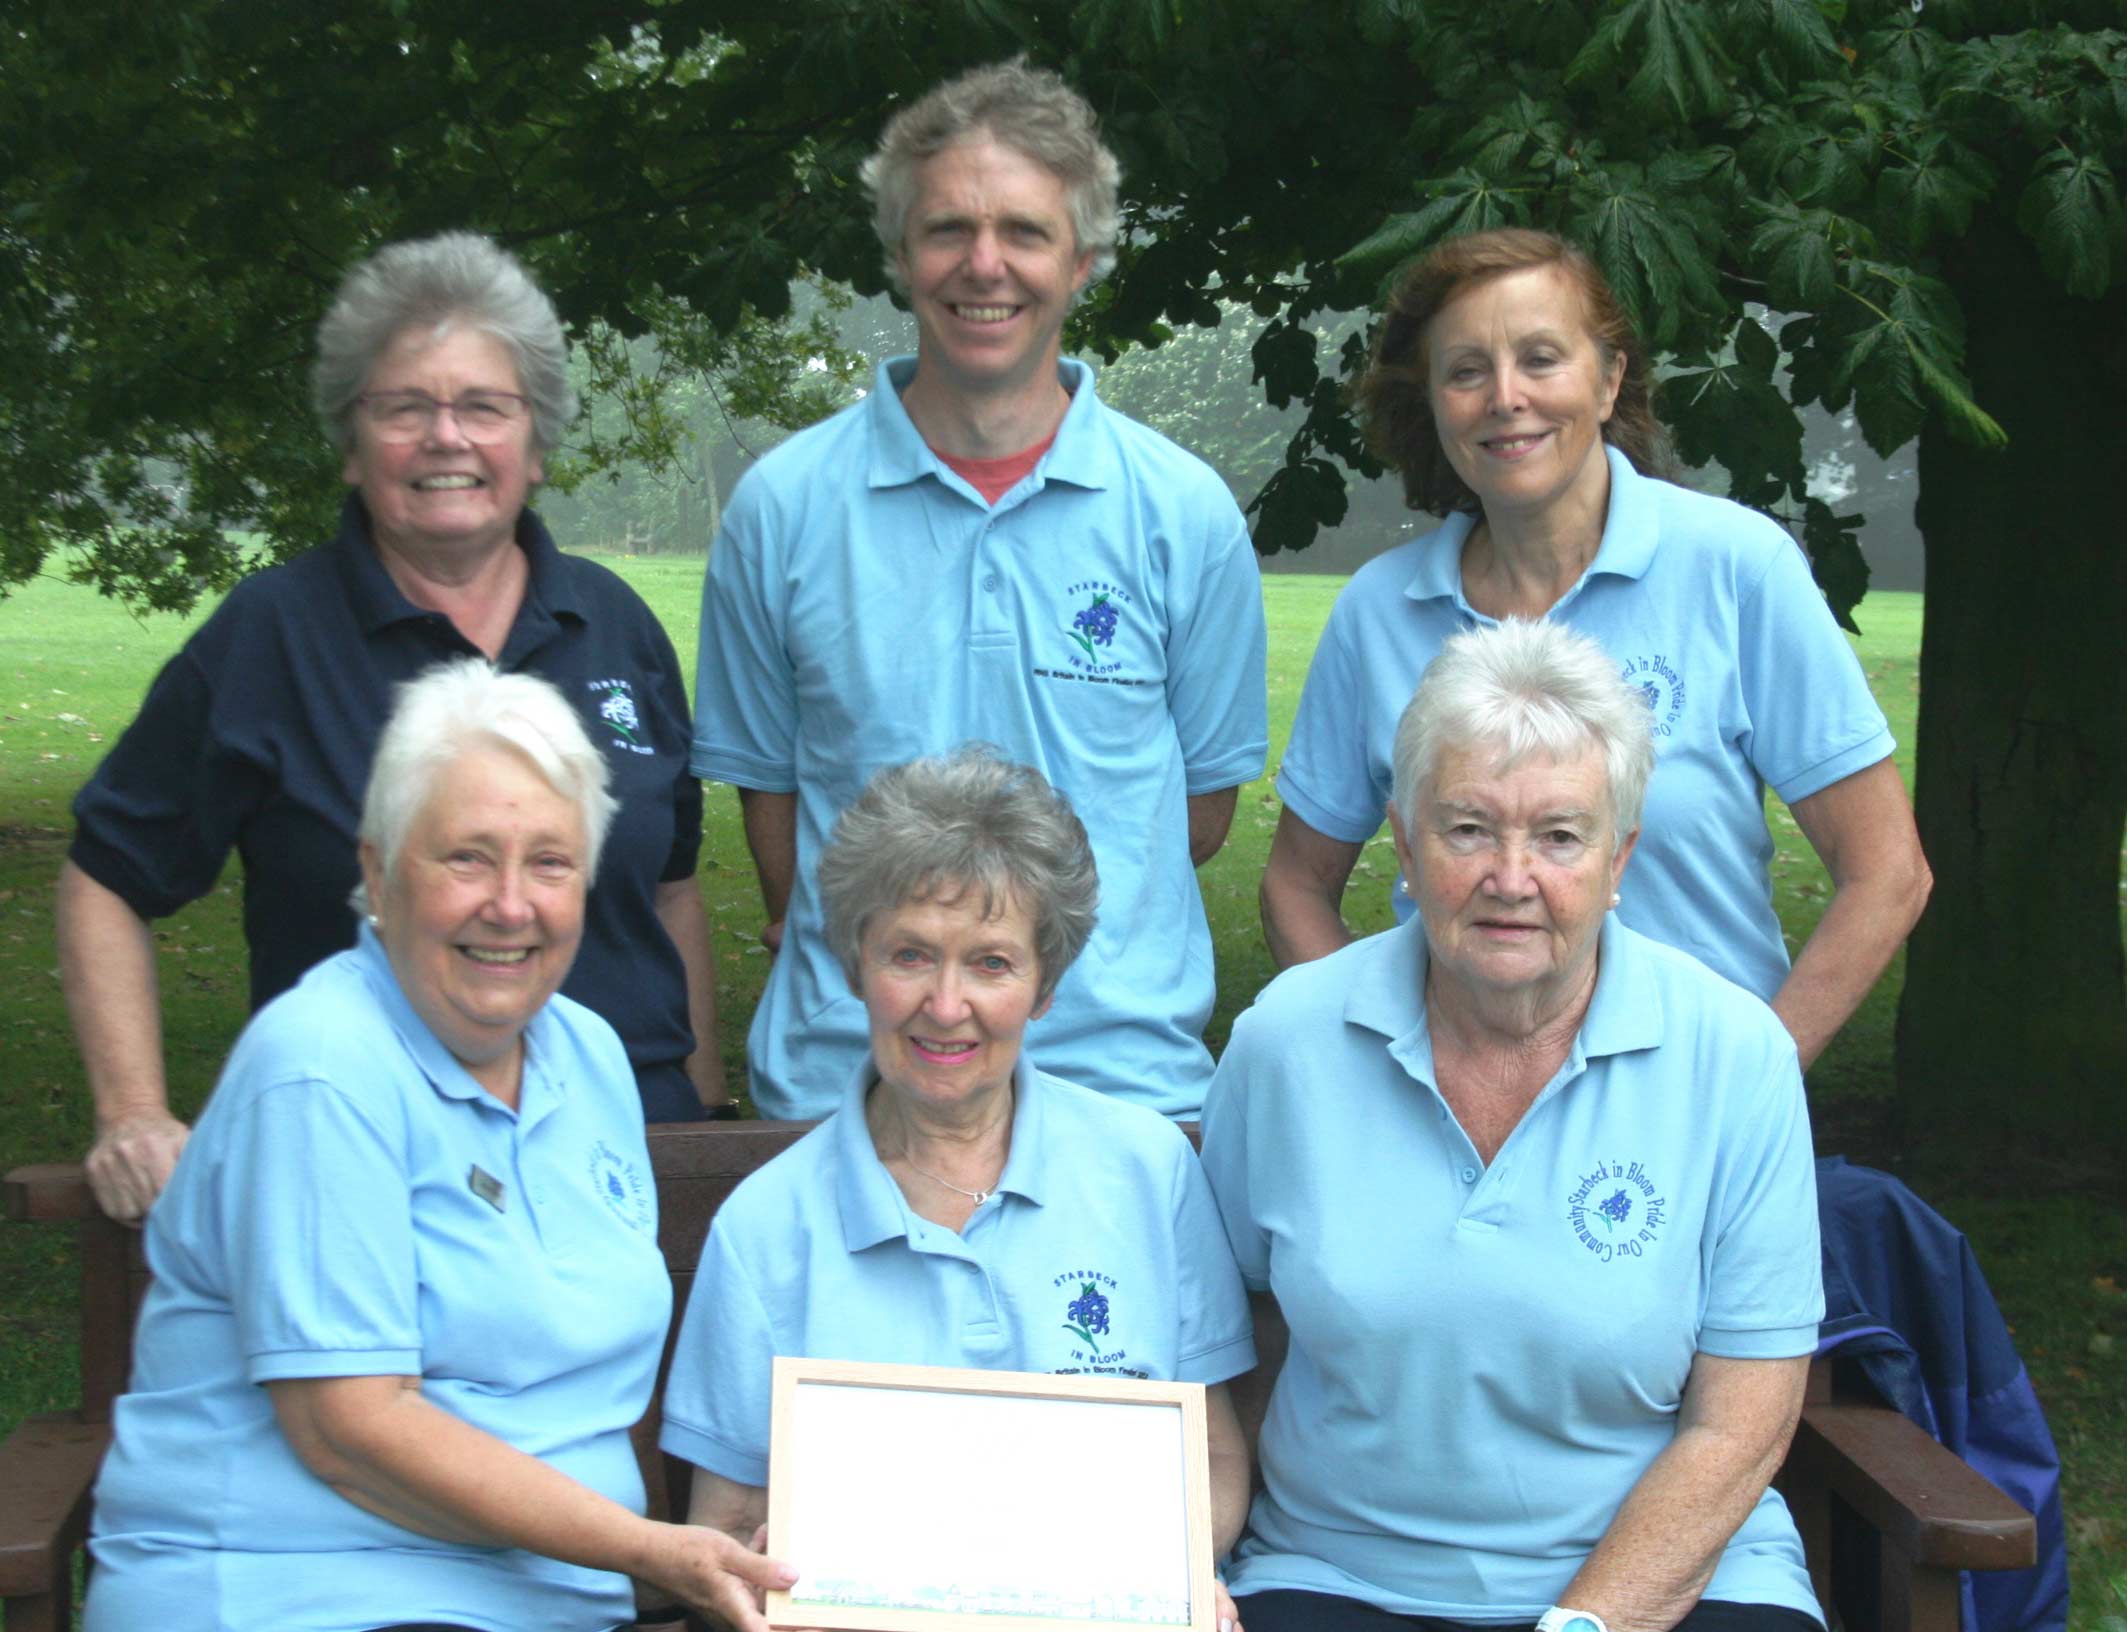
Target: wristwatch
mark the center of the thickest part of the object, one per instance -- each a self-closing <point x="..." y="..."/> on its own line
<point x="1558" y="1618"/>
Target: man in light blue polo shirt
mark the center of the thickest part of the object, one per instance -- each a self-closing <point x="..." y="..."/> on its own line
<point x="980" y="550"/>
<point x="1496" y="1352"/>
<point x="1101" y="1253"/>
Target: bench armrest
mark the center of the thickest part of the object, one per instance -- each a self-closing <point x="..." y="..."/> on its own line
<point x="47" y="1469"/>
<point x="48" y="1192"/>
<point x="1925" y="1501"/>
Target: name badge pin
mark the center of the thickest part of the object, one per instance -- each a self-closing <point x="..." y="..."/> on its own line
<point x="486" y="1186"/>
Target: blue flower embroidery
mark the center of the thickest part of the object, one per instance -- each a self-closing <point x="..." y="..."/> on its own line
<point x="1087" y="1314"/>
<point x="1095" y="625"/>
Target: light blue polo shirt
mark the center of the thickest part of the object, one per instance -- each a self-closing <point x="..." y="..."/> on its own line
<point x="352" y="1204"/>
<point x="1485" y="1359"/>
<point x="1103" y="622"/>
<point x="1711" y="613"/>
<point x="1100" y="1252"/>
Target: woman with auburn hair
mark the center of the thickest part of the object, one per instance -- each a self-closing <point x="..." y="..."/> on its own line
<point x="1509" y="389"/>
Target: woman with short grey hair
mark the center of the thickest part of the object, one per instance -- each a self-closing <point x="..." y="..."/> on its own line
<point x="457" y="706"/>
<point x="957" y="891"/>
<point x="408" y="1298"/>
<point x="453" y="279"/>
<point x="441" y="382"/>
<point x="1529" y="1190"/>
<point x="1535" y="688"/>
<point x="973" y="819"/>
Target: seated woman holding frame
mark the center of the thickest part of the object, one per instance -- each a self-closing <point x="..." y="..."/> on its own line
<point x="961" y="1207"/>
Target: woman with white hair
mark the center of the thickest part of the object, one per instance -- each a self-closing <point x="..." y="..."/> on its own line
<point x="408" y="1299"/>
<point x="441" y="380"/>
<point x="962" y="1207"/>
<point x="1533" y="1196"/>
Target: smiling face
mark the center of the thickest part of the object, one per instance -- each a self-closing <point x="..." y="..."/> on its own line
<point x="1512" y="870"/>
<point x="443" y="495"/>
<point x="991" y="262"/>
<point x="948" y="993"/>
<point x="482" y="913"/>
<point x="1521" y="391"/>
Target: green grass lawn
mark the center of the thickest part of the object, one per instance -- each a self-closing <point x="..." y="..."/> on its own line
<point x="73" y="673"/>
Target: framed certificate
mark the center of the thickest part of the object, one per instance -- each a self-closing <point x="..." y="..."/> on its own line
<point x="933" y="1499"/>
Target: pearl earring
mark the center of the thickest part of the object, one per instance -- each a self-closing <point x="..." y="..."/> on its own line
<point x="1614" y="900"/>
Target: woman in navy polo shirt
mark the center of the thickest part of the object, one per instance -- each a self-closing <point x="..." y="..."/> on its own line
<point x="962" y="1207"/>
<point x="442" y="381"/>
<point x="1533" y="1195"/>
<point x="407" y="1296"/>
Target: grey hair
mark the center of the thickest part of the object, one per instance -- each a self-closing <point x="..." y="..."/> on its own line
<point x="971" y="819"/>
<point x="453" y="278"/>
<point x="1527" y="688"/>
<point x="447" y="711"/>
<point x="1029" y="110"/>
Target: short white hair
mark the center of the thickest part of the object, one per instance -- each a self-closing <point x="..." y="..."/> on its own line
<point x="448" y="711"/>
<point x="1526" y="688"/>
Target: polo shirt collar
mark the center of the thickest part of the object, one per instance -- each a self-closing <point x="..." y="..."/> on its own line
<point x="1387" y="993"/>
<point x="1080" y="454"/>
<point x="540" y="1092"/>
<point x="1631" y="534"/>
<point x="869" y="1200"/>
<point x="379" y="603"/>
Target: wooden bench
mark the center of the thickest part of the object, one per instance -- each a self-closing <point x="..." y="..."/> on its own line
<point x="1930" y="1514"/>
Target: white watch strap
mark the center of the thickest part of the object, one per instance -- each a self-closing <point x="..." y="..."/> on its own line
<point x="1558" y="1618"/>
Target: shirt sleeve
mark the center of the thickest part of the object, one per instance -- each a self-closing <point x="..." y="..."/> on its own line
<point x="156" y="822"/>
<point x="1225" y="1159"/>
<point x="719" y="1394"/>
<point x="1215" y="666"/>
<point x="316" y="1214"/>
<point x="1765" y="1285"/>
<point x="1325" y="778"/>
<point x="746" y="709"/>
<point x="1813" y="720"/>
<point x="1218" y="1334"/>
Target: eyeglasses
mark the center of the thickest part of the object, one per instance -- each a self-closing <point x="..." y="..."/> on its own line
<point x="408" y="416"/>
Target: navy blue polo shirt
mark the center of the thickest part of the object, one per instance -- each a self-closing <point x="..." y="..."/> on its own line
<point x="258" y="735"/>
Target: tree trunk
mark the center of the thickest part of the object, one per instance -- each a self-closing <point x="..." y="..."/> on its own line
<point x="2012" y="1031"/>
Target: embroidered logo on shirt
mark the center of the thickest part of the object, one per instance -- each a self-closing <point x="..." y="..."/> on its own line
<point x="1615" y="1212"/>
<point x="616" y="708"/>
<point x="1089" y="1317"/>
<point x="1094" y="624"/>
<point x="620" y="1185"/>
<point x="1661" y="686"/>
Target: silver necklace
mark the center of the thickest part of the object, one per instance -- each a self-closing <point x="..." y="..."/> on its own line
<point x="978" y="1197"/>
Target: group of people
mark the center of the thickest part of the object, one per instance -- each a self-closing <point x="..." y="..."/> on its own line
<point x="1500" y="1262"/>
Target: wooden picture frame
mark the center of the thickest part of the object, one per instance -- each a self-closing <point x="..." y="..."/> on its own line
<point x="937" y="1499"/>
